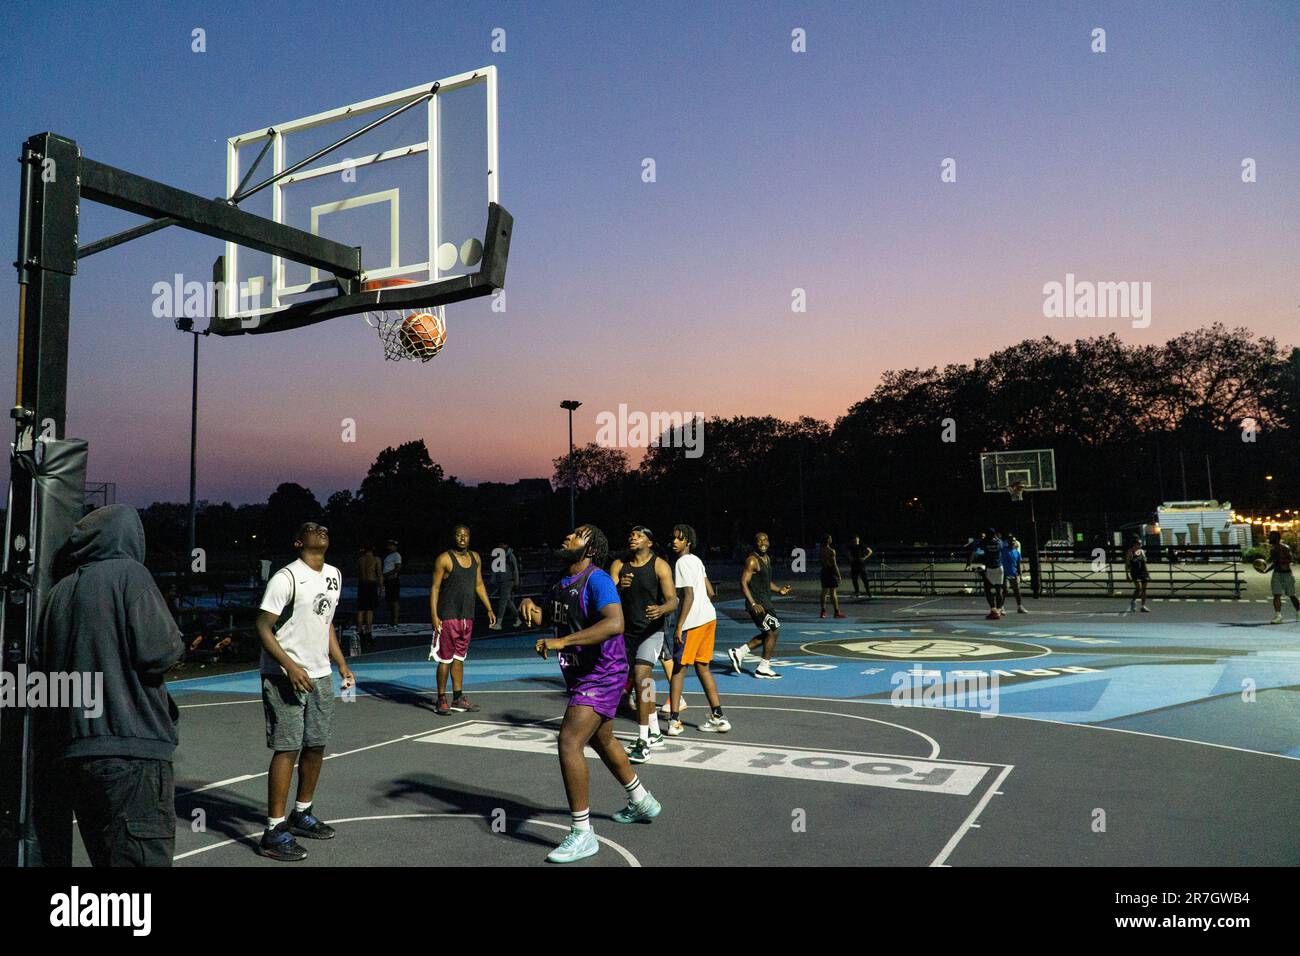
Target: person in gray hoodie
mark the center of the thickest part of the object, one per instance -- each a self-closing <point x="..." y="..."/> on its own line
<point x="113" y="763"/>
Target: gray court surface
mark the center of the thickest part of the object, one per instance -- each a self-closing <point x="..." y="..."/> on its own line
<point x="1116" y="739"/>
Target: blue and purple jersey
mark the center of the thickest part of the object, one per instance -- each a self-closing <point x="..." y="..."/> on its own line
<point x="576" y="604"/>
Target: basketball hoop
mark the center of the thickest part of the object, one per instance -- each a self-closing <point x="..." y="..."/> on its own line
<point x="1017" y="491"/>
<point x="414" y="334"/>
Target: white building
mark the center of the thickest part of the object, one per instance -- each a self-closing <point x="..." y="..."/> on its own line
<point x="1201" y="523"/>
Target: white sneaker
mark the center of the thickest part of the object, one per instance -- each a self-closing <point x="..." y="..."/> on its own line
<point x="1021" y="609"/>
<point x="1145" y="609"/>
<point x="1277" y="618"/>
<point x="716" y="725"/>
<point x="675" y="729"/>
<point x="737" y="655"/>
<point x="765" y="671"/>
<point x="667" y="709"/>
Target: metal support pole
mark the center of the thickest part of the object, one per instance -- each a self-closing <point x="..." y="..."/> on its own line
<point x="194" y="441"/>
<point x="571" y="406"/>
<point x="47" y="260"/>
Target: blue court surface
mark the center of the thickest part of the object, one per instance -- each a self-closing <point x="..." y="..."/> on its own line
<point x="912" y="732"/>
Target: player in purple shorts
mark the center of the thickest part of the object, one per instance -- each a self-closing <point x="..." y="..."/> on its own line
<point x="585" y="609"/>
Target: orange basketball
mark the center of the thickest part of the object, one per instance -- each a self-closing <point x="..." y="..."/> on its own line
<point x="423" y="334"/>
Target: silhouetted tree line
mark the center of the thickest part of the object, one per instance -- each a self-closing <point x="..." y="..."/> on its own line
<point x="1128" y="424"/>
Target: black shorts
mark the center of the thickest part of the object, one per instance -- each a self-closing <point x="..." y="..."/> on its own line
<point x="766" y="621"/>
<point x="367" y="595"/>
<point x="392" y="589"/>
<point x="829" y="578"/>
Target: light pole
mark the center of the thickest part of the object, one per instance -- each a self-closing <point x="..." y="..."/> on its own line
<point x="187" y="325"/>
<point x="571" y="406"/>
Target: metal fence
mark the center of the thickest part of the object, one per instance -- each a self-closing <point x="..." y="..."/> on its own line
<point x="1080" y="572"/>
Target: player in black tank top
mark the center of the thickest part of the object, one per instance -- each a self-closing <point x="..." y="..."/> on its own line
<point x="757" y="587"/>
<point x="645" y="585"/>
<point x="457" y="581"/>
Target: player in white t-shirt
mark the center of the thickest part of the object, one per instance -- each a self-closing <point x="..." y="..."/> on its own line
<point x="694" y="633"/>
<point x="296" y="625"/>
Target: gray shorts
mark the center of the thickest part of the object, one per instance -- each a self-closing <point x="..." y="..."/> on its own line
<point x="295" y="719"/>
<point x="647" y="650"/>
<point x="1282" y="583"/>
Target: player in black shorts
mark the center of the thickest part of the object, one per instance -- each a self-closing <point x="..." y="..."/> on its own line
<point x="756" y="584"/>
<point x="858" y="555"/>
<point x="1135" y="562"/>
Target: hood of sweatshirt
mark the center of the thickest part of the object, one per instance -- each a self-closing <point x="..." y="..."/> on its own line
<point x="110" y="532"/>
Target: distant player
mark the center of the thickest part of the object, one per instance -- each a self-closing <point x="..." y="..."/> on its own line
<point x="757" y="587"/>
<point x="1135" y="563"/>
<point x="988" y="552"/>
<point x="392" y="571"/>
<point x="830" y="577"/>
<point x="645" y="586"/>
<point x="585" y="609"/>
<point x="368" y="577"/>
<point x="457" y="580"/>
<point x="296" y="626"/>
<point x="859" y="554"/>
<point x="1282" y="582"/>
<point x="1011" y="571"/>
<point x="694" y="634"/>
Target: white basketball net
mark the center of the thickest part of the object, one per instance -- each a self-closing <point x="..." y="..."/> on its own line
<point x="1017" y="491"/>
<point x="398" y="343"/>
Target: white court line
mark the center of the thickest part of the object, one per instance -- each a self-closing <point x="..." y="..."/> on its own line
<point x="221" y="703"/>
<point x="934" y="744"/>
<point x="618" y="848"/>
<point x="919" y="604"/>
<point x="254" y="776"/>
<point x="974" y="815"/>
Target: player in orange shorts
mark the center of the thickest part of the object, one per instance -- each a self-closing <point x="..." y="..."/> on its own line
<point x="693" y="639"/>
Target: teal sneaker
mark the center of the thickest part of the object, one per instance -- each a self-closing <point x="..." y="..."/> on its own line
<point x="647" y="809"/>
<point x="639" y="751"/>
<point x="578" y="845"/>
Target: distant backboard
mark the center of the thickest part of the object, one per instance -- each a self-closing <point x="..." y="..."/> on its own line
<point x="412" y="193"/>
<point x="1033" y="470"/>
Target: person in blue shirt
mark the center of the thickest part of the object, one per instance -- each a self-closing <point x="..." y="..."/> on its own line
<point x="1011" y="569"/>
<point x="988" y="552"/>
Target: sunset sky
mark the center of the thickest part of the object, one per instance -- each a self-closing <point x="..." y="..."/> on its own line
<point x="776" y="170"/>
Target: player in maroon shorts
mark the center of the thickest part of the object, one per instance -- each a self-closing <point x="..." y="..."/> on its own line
<point x="457" y="580"/>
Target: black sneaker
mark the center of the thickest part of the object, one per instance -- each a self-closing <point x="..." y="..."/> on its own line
<point x="279" y="844"/>
<point x="303" y="824"/>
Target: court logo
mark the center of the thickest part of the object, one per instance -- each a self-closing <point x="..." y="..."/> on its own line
<point x="321" y="605"/>
<point x="927" y="649"/>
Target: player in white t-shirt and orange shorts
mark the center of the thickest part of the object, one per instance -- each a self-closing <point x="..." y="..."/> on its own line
<point x="694" y="633"/>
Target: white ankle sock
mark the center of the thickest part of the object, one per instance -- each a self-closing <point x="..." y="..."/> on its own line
<point x="635" y="791"/>
<point x="582" y="819"/>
